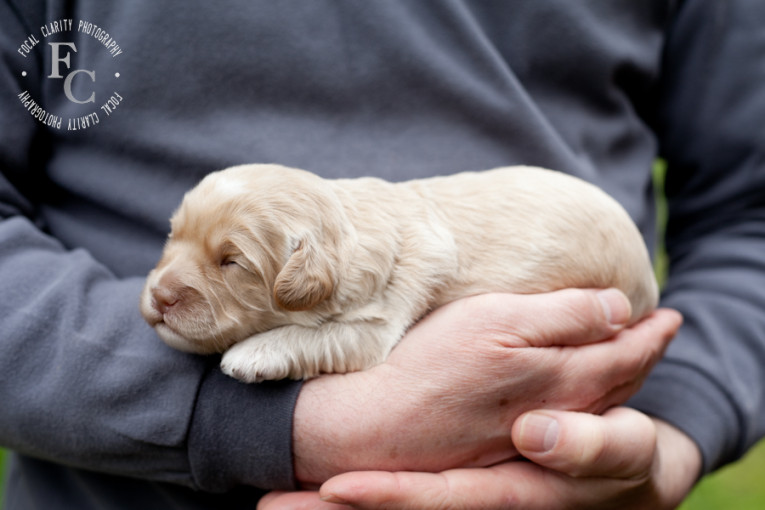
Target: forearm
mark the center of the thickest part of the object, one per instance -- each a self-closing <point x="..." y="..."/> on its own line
<point x="88" y="384"/>
<point x="72" y="362"/>
<point x="709" y="119"/>
<point x="709" y="382"/>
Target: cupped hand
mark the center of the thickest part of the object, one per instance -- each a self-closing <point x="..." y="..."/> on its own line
<point x="621" y="460"/>
<point x="450" y="391"/>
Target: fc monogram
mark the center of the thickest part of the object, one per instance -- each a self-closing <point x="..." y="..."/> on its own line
<point x="57" y="59"/>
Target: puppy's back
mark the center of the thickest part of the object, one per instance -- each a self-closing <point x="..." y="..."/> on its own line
<point x="528" y="230"/>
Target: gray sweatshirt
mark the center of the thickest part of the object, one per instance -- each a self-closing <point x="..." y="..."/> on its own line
<point x="110" y="110"/>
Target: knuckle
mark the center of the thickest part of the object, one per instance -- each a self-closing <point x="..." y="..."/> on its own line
<point x="591" y="453"/>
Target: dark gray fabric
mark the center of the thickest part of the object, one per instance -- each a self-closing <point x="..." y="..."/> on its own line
<point x="711" y="130"/>
<point x="98" y="408"/>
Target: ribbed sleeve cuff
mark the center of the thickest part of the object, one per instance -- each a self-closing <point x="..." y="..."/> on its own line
<point x="241" y="434"/>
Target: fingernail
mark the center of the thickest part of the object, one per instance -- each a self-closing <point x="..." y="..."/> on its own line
<point x="539" y="433"/>
<point x="616" y="306"/>
<point x="331" y="498"/>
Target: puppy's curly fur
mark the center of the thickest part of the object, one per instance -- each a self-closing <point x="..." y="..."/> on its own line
<point x="293" y="275"/>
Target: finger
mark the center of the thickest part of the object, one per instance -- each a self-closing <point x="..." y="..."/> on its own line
<point x="458" y="488"/>
<point x="619" y="444"/>
<point x="305" y="500"/>
<point x="569" y="317"/>
<point x="614" y="370"/>
<point x="517" y="484"/>
<point x="659" y="328"/>
<point x="623" y="364"/>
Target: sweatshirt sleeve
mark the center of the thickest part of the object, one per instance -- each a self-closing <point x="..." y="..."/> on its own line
<point x="710" y="126"/>
<point x="84" y="382"/>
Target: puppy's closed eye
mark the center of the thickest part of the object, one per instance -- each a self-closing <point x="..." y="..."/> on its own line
<point x="234" y="260"/>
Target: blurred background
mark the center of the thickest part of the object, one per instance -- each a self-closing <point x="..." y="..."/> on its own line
<point x="736" y="487"/>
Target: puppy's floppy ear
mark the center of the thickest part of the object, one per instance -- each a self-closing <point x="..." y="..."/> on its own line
<point x="306" y="280"/>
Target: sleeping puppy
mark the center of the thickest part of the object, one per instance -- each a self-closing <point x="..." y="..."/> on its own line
<point x="292" y="275"/>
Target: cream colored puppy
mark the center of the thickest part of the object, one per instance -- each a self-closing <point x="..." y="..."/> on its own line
<point x="292" y="275"/>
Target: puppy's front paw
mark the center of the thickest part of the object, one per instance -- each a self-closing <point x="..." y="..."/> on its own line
<point x="257" y="359"/>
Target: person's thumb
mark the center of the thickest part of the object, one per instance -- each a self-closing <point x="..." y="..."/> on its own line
<point x="619" y="444"/>
<point x="569" y="317"/>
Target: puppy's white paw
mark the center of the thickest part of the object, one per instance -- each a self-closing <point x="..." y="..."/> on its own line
<point x="256" y="359"/>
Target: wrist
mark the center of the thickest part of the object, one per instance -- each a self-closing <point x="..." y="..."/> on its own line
<point x="679" y="463"/>
<point x="336" y="425"/>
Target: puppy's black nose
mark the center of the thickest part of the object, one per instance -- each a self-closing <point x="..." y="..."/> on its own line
<point x="163" y="299"/>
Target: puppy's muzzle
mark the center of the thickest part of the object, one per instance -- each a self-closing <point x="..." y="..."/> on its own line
<point x="163" y="299"/>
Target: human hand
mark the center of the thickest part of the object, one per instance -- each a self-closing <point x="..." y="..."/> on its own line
<point x="622" y="460"/>
<point x="495" y="357"/>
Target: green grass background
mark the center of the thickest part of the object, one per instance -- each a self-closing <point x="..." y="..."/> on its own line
<point x="739" y="486"/>
<point x="2" y="477"/>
